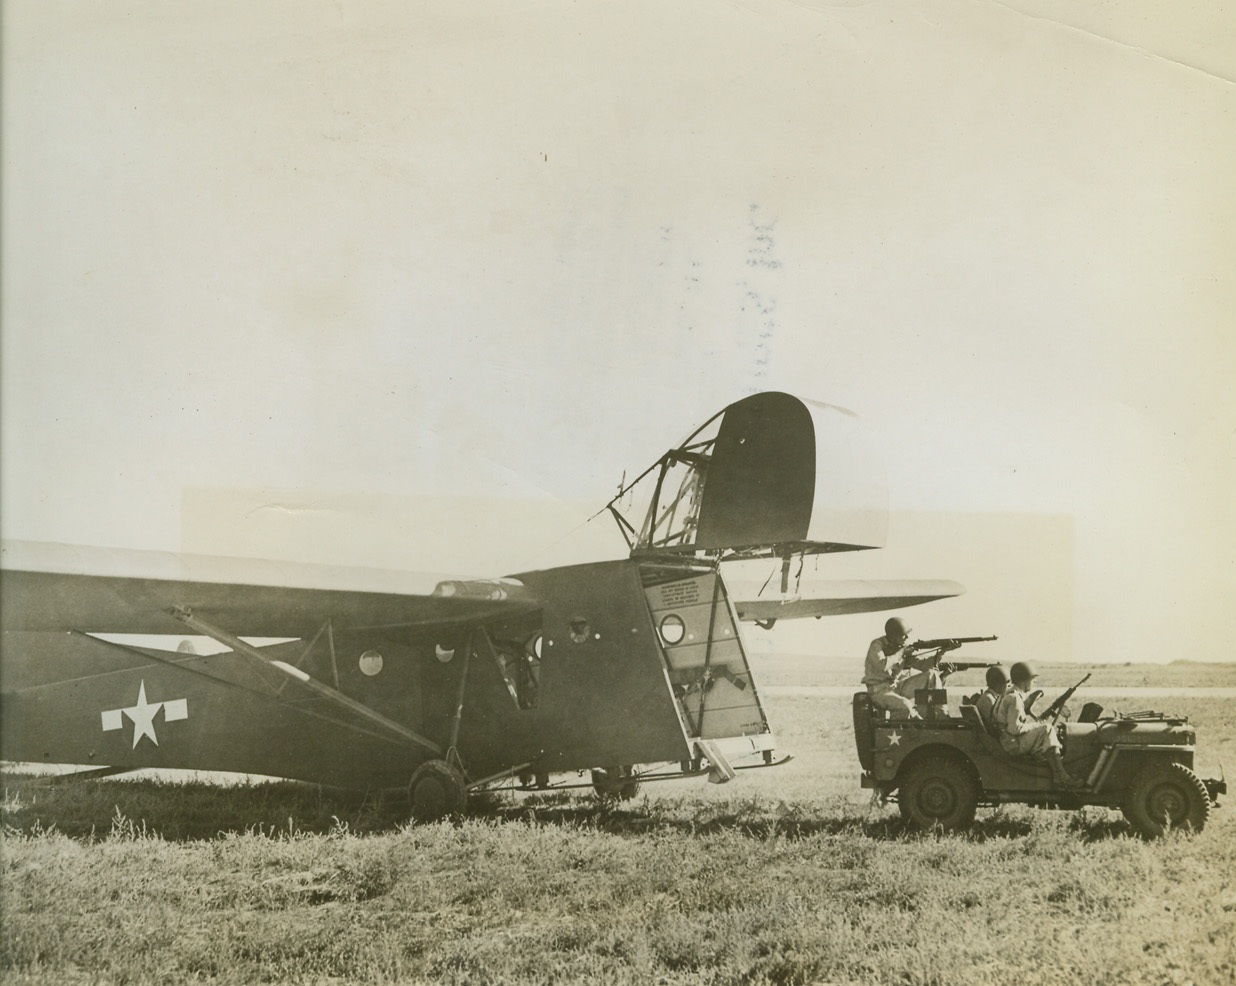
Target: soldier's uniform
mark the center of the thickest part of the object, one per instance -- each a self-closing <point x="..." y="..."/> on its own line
<point x="1024" y="736"/>
<point x="986" y="705"/>
<point x="1019" y="734"/>
<point x="880" y="671"/>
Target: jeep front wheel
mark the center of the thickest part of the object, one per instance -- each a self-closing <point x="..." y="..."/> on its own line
<point x="1168" y="796"/>
<point x="938" y="793"/>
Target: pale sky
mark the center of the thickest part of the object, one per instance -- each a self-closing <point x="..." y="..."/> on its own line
<point x="367" y="283"/>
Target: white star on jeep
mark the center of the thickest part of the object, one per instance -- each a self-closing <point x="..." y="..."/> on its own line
<point x="894" y="739"/>
<point x="142" y="715"/>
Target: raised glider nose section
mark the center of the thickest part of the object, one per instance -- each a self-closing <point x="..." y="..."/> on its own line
<point x="706" y="666"/>
<point x="770" y="475"/>
<point x="642" y="663"/>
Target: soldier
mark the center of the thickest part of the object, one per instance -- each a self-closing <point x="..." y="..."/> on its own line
<point x="997" y="684"/>
<point x="882" y="667"/>
<point x="1023" y="735"/>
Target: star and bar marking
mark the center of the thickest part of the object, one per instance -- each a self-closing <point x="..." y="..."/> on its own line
<point x="142" y="715"/>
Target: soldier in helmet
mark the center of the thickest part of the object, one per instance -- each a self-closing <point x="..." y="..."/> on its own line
<point x="884" y="671"/>
<point x="997" y="685"/>
<point x="1021" y="734"/>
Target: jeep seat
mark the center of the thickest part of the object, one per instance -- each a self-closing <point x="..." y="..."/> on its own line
<point x="970" y="713"/>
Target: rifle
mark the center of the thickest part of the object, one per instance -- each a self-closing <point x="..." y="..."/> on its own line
<point x="944" y="644"/>
<point x="951" y="667"/>
<point x="1053" y="710"/>
<point x="941" y="647"/>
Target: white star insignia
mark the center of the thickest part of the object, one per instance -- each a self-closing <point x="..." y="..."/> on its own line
<point x="894" y="739"/>
<point x="142" y="715"/>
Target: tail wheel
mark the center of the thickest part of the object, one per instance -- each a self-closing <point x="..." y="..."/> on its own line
<point x="1167" y="796"/>
<point x="938" y="792"/>
<point x="616" y="782"/>
<point x="436" y="790"/>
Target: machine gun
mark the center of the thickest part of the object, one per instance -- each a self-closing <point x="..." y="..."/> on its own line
<point x="1053" y="710"/>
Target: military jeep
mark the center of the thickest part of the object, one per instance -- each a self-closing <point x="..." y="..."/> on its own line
<point x="939" y="769"/>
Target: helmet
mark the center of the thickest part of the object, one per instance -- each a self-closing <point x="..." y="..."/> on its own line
<point x="895" y="627"/>
<point x="1021" y="672"/>
<point x="996" y="678"/>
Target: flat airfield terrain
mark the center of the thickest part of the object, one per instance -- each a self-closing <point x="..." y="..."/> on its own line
<point x="786" y="875"/>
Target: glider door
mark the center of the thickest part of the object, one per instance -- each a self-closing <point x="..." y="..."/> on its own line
<point x="704" y="658"/>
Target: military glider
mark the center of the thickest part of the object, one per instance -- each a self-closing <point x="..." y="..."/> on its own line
<point x="630" y="669"/>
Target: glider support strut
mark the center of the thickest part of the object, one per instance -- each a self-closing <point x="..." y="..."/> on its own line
<point x="186" y="617"/>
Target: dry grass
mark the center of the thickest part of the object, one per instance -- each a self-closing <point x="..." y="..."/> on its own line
<point x="786" y="876"/>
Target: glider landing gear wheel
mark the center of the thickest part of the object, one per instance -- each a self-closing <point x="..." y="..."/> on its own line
<point x="1168" y="796"/>
<point x="615" y="782"/>
<point x="436" y="790"/>
<point x="528" y="779"/>
<point x="938" y="792"/>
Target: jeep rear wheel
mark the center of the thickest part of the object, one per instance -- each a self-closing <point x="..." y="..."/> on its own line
<point x="1168" y="796"/>
<point x="938" y="792"/>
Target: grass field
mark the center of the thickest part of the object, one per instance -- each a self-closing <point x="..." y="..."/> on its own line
<point x="787" y="875"/>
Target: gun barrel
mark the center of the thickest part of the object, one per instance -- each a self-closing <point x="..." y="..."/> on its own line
<point x="951" y="643"/>
<point x="1064" y="696"/>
